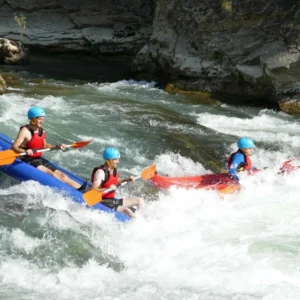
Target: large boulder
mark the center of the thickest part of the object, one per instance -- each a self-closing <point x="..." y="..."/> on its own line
<point x="11" y="52"/>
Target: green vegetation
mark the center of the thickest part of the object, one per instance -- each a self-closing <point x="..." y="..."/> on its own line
<point x="21" y="21"/>
<point x="226" y="5"/>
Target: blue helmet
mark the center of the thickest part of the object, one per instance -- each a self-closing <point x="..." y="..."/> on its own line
<point x="111" y="153"/>
<point x="245" y="143"/>
<point x="35" y="112"/>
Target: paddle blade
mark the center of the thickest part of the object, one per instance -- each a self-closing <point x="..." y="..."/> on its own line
<point x="7" y="161"/>
<point x="80" y="144"/>
<point x="7" y="157"/>
<point x="149" y="172"/>
<point x="287" y="167"/>
<point x="92" y="197"/>
<point x="229" y="190"/>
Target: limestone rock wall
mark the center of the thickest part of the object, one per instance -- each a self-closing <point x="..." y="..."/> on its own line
<point x="246" y="50"/>
<point x="94" y="26"/>
<point x="243" y="48"/>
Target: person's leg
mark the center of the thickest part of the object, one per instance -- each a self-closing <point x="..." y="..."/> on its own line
<point x="116" y="204"/>
<point x="125" y="210"/>
<point x="130" y="205"/>
<point x="134" y="201"/>
<point x="45" y="166"/>
<point x="61" y="176"/>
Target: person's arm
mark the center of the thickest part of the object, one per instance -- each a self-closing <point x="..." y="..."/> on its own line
<point x="236" y="161"/>
<point x="51" y="146"/>
<point x="21" y="139"/>
<point x="98" y="179"/>
<point x="130" y="178"/>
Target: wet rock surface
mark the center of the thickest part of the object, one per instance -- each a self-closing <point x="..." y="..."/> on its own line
<point x="244" y="50"/>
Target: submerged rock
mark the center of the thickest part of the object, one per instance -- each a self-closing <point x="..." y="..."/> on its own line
<point x="199" y="97"/>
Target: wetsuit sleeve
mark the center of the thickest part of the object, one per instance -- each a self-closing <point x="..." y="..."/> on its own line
<point x="235" y="163"/>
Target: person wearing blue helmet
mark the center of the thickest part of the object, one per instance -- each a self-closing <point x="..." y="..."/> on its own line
<point x="33" y="136"/>
<point x="106" y="177"/>
<point x="240" y="160"/>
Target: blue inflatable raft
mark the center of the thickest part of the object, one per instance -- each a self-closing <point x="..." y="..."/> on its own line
<point x="22" y="171"/>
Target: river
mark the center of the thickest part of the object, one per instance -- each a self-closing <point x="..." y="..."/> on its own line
<point x="184" y="244"/>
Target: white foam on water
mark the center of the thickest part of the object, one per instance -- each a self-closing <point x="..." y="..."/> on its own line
<point x="124" y="83"/>
<point x="261" y="128"/>
<point x="22" y="241"/>
<point x="185" y="243"/>
<point x="174" y="164"/>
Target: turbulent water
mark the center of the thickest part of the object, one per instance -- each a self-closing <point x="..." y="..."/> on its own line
<point x="184" y="244"/>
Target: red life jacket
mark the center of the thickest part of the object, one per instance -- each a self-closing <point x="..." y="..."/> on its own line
<point x="37" y="140"/>
<point x="109" y="179"/>
<point x="246" y="165"/>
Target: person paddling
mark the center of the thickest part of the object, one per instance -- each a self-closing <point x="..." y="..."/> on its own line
<point x="33" y="136"/>
<point x="106" y="177"/>
<point x="240" y="160"/>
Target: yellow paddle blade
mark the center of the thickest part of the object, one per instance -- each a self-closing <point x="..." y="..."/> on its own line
<point x="149" y="172"/>
<point x="7" y="161"/>
<point x="8" y="153"/>
<point x="92" y="197"/>
<point x="8" y="157"/>
<point x="229" y="189"/>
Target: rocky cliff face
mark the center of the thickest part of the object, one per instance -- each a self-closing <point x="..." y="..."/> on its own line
<point x="244" y="48"/>
<point x="94" y="26"/>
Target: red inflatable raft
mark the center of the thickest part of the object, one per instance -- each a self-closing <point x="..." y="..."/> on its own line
<point x="221" y="182"/>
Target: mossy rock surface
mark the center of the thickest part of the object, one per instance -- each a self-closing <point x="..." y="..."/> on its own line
<point x="200" y="97"/>
<point x="290" y="106"/>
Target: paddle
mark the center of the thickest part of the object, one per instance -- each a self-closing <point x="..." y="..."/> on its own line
<point x="287" y="167"/>
<point x="93" y="197"/>
<point x="230" y="189"/>
<point x="8" y="156"/>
